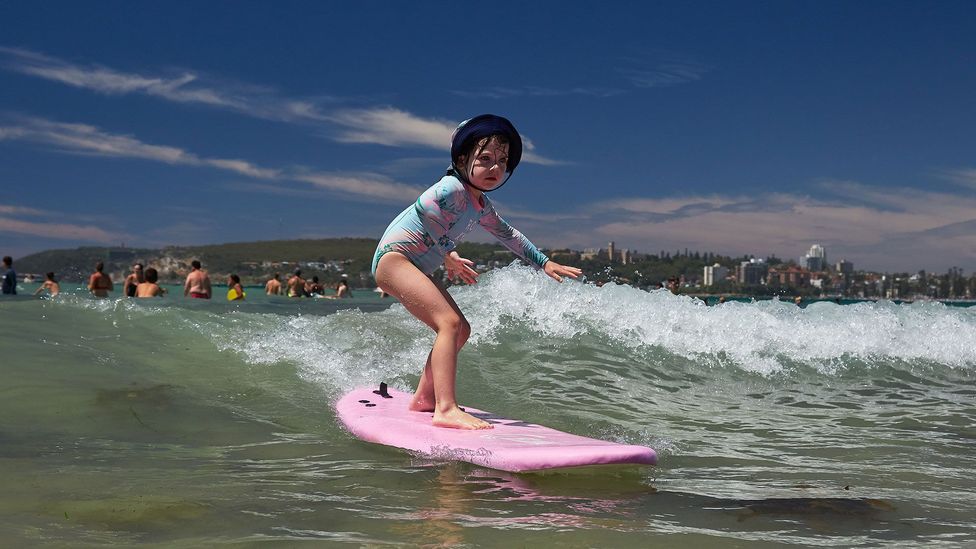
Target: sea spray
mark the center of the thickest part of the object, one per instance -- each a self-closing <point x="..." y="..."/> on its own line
<point x="763" y="336"/>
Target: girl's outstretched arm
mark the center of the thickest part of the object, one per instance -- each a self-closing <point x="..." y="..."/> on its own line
<point x="511" y="238"/>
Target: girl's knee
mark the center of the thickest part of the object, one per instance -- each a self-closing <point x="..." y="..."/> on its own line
<point x="455" y="325"/>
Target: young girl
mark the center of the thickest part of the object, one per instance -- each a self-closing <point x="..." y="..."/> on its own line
<point x="235" y="292"/>
<point x="484" y="152"/>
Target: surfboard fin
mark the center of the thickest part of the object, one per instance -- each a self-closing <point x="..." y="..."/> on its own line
<point x="382" y="391"/>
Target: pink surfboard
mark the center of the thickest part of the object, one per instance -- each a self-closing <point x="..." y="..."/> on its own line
<point x="511" y="445"/>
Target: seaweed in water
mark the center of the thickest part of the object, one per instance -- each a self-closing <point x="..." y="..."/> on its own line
<point x="155" y="397"/>
<point x="810" y="507"/>
<point x="158" y="396"/>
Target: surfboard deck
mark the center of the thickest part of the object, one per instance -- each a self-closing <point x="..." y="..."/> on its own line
<point x="512" y="445"/>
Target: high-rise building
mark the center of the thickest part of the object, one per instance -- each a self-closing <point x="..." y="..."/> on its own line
<point x="610" y="251"/>
<point x="845" y="267"/>
<point x="752" y="272"/>
<point x="714" y="273"/>
<point x="816" y="258"/>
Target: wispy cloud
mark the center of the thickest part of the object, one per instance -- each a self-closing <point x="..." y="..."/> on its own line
<point x="7" y="209"/>
<point x="90" y="140"/>
<point x="393" y="127"/>
<point x="652" y="70"/>
<point x="662" y="69"/>
<point x="183" y="86"/>
<point x="965" y="177"/>
<point x="54" y="227"/>
<point x="373" y="186"/>
<point x="381" y="125"/>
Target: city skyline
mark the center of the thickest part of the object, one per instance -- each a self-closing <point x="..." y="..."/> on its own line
<point x="746" y="129"/>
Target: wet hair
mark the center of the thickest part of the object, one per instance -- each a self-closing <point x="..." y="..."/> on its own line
<point x="151" y="275"/>
<point x="50" y="276"/>
<point x="235" y="278"/>
<point x="344" y="282"/>
<point x="277" y="275"/>
<point x="195" y="263"/>
<point x="315" y="279"/>
<point x="134" y="265"/>
<point x="7" y="260"/>
<point x="298" y="272"/>
<point x="99" y="266"/>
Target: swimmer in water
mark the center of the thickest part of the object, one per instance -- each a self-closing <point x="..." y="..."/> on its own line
<point x="50" y="284"/>
<point x="148" y="287"/>
<point x="234" y="288"/>
<point x="99" y="283"/>
<point x="485" y="150"/>
<point x="133" y="281"/>
<point x="197" y="283"/>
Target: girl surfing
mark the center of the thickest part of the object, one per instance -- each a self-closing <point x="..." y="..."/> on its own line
<point x="485" y="150"/>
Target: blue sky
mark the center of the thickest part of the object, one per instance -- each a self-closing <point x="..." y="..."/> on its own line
<point x="733" y="127"/>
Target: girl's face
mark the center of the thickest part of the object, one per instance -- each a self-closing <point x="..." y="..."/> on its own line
<point x="487" y="169"/>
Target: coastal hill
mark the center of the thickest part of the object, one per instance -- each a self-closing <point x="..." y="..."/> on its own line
<point x="327" y="258"/>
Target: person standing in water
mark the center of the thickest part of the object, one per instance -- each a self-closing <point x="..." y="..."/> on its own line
<point x="99" y="283"/>
<point x="273" y="286"/>
<point x="148" y="286"/>
<point x="197" y="283"/>
<point x="50" y="284"/>
<point x="235" y="292"/>
<point x="9" y="276"/>
<point x="485" y="150"/>
<point x="133" y="280"/>
<point x="342" y="289"/>
<point x="296" y="285"/>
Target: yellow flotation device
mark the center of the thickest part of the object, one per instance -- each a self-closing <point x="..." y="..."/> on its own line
<point x="232" y="295"/>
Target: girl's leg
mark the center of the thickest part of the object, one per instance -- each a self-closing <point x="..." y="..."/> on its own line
<point x="423" y="400"/>
<point x="418" y="293"/>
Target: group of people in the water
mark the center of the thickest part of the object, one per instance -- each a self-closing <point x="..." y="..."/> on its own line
<point x="144" y="282"/>
<point x="296" y="286"/>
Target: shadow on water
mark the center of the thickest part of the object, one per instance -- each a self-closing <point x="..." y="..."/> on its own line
<point x="624" y="502"/>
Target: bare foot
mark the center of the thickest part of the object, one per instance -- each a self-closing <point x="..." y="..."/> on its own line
<point x="456" y="419"/>
<point x="421" y="404"/>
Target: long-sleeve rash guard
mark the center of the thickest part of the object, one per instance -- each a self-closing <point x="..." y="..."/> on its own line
<point x="427" y="231"/>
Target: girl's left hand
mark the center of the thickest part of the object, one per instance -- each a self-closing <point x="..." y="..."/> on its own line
<point x="557" y="271"/>
<point x="459" y="267"/>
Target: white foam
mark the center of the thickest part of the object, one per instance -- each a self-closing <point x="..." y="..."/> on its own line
<point x="759" y="336"/>
<point x="352" y="348"/>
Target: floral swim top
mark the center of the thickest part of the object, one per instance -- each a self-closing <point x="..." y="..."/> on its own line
<point x="426" y="231"/>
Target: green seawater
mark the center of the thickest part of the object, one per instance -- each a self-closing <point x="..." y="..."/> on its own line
<point x="188" y="423"/>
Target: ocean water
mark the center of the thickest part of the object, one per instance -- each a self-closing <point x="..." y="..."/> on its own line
<point x="183" y="423"/>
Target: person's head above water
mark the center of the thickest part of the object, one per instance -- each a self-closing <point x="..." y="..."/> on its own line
<point x="485" y="150"/>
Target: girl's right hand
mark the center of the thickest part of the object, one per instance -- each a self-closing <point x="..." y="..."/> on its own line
<point x="458" y="267"/>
